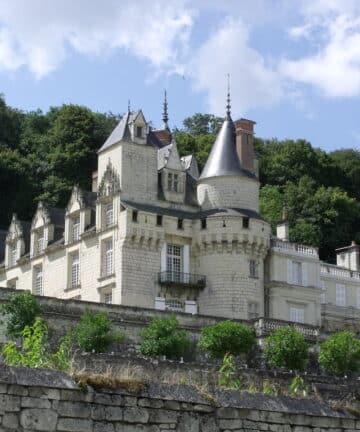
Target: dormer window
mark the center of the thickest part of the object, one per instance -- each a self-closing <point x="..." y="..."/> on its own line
<point x="173" y="182"/>
<point x="109" y="215"/>
<point x="139" y="131"/>
<point x="75" y="232"/>
<point x="39" y="241"/>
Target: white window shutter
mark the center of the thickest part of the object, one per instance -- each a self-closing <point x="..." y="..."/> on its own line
<point x="304" y="274"/>
<point x="289" y="272"/>
<point x="163" y="258"/>
<point x="186" y="259"/>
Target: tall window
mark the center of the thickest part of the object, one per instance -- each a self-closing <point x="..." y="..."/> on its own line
<point x="174" y="262"/>
<point x="13" y="254"/>
<point x="297" y="314"/>
<point x="38" y="280"/>
<point x="39" y="241"/>
<point x="296" y="273"/>
<point x="340" y="295"/>
<point x="75" y="232"/>
<point x="109" y="214"/>
<point x="173" y="182"/>
<point x="108" y="298"/>
<point x="170" y="177"/>
<point x="75" y="270"/>
<point x="108" y="258"/>
<point x="253" y="268"/>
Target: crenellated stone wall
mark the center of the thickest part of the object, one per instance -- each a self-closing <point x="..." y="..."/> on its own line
<point x="41" y="400"/>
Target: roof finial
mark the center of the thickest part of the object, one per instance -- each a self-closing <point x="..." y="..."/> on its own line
<point x="129" y="107"/>
<point x="228" y="105"/>
<point x="165" y="112"/>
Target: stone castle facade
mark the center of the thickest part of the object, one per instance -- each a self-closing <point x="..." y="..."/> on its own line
<point x="155" y="233"/>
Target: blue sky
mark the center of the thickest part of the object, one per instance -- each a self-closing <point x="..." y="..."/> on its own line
<point x="294" y="65"/>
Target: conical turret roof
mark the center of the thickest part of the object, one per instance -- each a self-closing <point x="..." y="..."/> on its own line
<point x="223" y="159"/>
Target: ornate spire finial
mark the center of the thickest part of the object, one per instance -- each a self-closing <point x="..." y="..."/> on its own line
<point x="165" y="112"/>
<point x="129" y="107"/>
<point x="228" y="105"/>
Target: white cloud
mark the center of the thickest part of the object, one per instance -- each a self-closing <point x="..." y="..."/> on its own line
<point x="253" y="82"/>
<point x="335" y="66"/>
<point x="37" y="34"/>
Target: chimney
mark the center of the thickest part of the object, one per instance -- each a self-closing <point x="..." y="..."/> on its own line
<point x="245" y="144"/>
<point x="94" y="187"/>
<point x="282" y="228"/>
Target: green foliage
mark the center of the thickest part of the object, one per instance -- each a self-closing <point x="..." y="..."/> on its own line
<point x="202" y="124"/>
<point x="95" y="333"/>
<point x="298" y="387"/>
<point x="34" y="351"/>
<point x="227" y="337"/>
<point x="229" y="378"/>
<point x="21" y="310"/>
<point x="340" y="353"/>
<point x="286" y="348"/>
<point x="164" y="337"/>
<point x="62" y="357"/>
<point x="269" y="389"/>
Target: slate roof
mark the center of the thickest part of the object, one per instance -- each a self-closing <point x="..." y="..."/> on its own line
<point x="223" y="159"/>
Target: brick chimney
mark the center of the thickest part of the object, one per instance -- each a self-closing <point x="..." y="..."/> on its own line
<point x="245" y="144"/>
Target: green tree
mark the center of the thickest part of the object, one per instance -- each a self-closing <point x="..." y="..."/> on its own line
<point x="348" y="162"/>
<point x="203" y="124"/>
<point x="340" y="353"/>
<point x="286" y="348"/>
<point x="164" y="337"/>
<point x="227" y="337"/>
<point x="21" y="310"/>
<point x="11" y="122"/>
<point x="95" y="332"/>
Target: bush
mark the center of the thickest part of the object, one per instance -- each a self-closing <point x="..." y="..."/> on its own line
<point x="226" y="337"/>
<point x="22" y="310"/>
<point x="340" y="353"/>
<point x="287" y="348"/>
<point x="164" y="337"/>
<point x="95" y="332"/>
<point x="34" y="350"/>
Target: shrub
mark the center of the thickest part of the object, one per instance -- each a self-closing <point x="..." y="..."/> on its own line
<point x="340" y="353"/>
<point x="34" y="350"/>
<point x="164" y="337"/>
<point x="287" y="348"/>
<point x="21" y="310"/>
<point x="226" y="337"/>
<point x="95" y="332"/>
<point x="229" y="378"/>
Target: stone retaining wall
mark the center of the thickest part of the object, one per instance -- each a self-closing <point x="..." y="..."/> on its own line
<point x="40" y="400"/>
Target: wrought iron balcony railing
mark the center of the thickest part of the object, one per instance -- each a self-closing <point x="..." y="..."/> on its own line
<point x="180" y="278"/>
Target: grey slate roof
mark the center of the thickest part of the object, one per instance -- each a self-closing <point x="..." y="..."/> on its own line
<point x="223" y="159"/>
<point x="163" y="154"/>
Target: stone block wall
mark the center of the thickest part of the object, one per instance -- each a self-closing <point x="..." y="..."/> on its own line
<point x="40" y="400"/>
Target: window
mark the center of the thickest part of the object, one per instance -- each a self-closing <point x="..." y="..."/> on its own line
<point x="108" y="258"/>
<point x="75" y="232"/>
<point x="38" y="280"/>
<point x="13" y="254"/>
<point x="323" y="294"/>
<point x="175" y="183"/>
<point x="245" y="222"/>
<point x="203" y="223"/>
<point x="340" y="295"/>
<point x="180" y="224"/>
<point x="296" y="273"/>
<point x="11" y="284"/>
<point x="108" y="298"/>
<point x="138" y="131"/>
<point x="358" y="298"/>
<point x="159" y="220"/>
<point x="134" y="216"/>
<point x="297" y="314"/>
<point x="253" y="310"/>
<point x="109" y="215"/>
<point x="174" y="305"/>
<point x="75" y="270"/>
<point x="169" y="177"/>
<point x="253" y="269"/>
<point x="39" y="242"/>
<point x="174" y="262"/>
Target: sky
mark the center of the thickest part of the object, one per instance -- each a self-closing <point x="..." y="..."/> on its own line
<point x="294" y="65"/>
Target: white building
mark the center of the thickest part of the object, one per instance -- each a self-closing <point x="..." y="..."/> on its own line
<point x="154" y="233"/>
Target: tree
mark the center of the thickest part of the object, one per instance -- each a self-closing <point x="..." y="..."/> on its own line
<point x="164" y="337"/>
<point x="287" y="348"/>
<point x="21" y="310"/>
<point x="203" y="124"/>
<point x="227" y="337"/>
<point x="11" y="123"/>
<point x="340" y="353"/>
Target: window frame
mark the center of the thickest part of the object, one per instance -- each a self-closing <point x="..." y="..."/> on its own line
<point x="38" y="280"/>
<point x="74" y="275"/>
<point x="107" y="257"/>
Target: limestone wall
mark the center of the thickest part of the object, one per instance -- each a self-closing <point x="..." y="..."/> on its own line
<point x="39" y="400"/>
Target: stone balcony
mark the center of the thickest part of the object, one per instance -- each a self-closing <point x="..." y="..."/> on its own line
<point x="338" y="272"/>
<point x="181" y="279"/>
<point x="294" y="248"/>
<point x="265" y="326"/>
